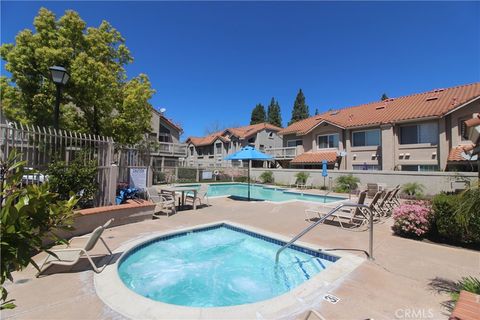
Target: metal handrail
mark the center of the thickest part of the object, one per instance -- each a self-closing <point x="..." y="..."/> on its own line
<point x="310" y="227"/>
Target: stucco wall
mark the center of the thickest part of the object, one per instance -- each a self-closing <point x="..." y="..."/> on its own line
<point x="434" y="182"/>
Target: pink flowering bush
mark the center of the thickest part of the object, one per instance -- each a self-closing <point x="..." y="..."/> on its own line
<point x="412" y="219"/>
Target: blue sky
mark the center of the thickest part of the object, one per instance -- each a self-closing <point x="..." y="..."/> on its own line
<point x="213" y="61"/>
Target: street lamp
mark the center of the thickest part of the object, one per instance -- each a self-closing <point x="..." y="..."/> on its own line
<point x="60" y="77"/>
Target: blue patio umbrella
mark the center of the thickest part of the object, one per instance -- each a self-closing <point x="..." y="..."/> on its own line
<point x="249" y="153"/>
<point x="324" y="171"/>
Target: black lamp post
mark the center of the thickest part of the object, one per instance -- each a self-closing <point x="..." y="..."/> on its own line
<point x="60" y="77"/>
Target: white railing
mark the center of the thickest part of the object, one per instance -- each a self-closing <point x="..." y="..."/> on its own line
<point x="282" y="153"/>
<point x="171" y="149"/>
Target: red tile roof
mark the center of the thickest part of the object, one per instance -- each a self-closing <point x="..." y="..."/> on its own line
<point x="473" y="122"/>
<point x="204" y="141"/>
<point x="240" y="132"/>
<point x="435" y="103"/>
<point x="456" y="152"/>
<point x="315" y="157"/>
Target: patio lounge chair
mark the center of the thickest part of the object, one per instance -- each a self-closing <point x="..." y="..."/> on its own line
<point x="201" y="195"/>
<point x="372" y="189"/>
<point x="384" y="204"/>
<point x="70" y="256"/>
<point x="373" y="205"/>
<point x="355" y="216"/>
<point x="164" y="202"/>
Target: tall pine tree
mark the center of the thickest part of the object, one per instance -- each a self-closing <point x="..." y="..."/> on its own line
<point x="258" y="114"/>
<point x="384" y="97"/>
<point x="300" y="109"/>
<point x="274" y="116"/>
<point x="316" y="111"/>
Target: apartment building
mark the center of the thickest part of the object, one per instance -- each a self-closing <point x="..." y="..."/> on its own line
<point x="167" y="151"/>
<point x="419" y="132"/>
<point x="210" y="151"/>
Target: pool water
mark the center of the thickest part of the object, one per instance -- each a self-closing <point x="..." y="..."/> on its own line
<point x="265" y="193"/>
<point x="217" y="266"/>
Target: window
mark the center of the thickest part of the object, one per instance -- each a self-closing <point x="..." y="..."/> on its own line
<point x="420" y="167"/>
<point x="191" y="151"/>
<point x="369" y="167"/>
<point x="419" y="133"/>
<point x="270" y="135"/>
<point x="218" y="147"/>
<point x="366" y="138"/>
<point x="251" y="140"/>
<point x="328" y="141"/>
<point x="294" y="143"/>
<point x="262" y="147"/>
<point x="463" y="130"/>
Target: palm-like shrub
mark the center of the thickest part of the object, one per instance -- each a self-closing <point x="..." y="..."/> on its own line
<point x="267" y="177"/>
<point x="302" y="177"/>
<point x="346" y="183"/>
<point x="469" y="284"/>
<point x="413" y="189"/>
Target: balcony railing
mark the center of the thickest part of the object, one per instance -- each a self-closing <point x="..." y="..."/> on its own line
<point x="282" y="153"/>
<point x="171" y="149"/>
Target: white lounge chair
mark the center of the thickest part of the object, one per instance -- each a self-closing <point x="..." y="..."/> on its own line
<point x="201" y="195"/>
<point x="163" y="201"/>
<point x="70" y="256"/>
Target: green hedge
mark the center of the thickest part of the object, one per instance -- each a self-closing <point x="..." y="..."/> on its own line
<point x="457" y="217"/>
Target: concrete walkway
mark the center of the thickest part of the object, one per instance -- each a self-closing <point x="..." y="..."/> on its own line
<point x="396" y="285"/>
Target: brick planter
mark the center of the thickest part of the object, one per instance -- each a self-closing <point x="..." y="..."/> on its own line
<point x="88" y="219"/>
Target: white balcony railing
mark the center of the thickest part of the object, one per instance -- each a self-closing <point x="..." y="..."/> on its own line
<point x="282" y="153"/>
<point x="171" y="149"/>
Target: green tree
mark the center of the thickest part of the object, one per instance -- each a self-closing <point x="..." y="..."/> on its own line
<point x="384" y="97"/>
<point x="258" y="114"/>
<point x="300" y="109"/>
<point x="316" y="111"/>
<point x="98" y="98"/>
<point x="274" y="115"/>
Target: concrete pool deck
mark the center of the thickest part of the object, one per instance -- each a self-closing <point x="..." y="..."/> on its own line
<point x="397" y="284"/>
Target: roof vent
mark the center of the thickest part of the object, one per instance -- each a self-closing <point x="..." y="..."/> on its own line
<point x="438" y="90"/>
<point x="380" y="107"/>
<point x="432" y="98"/>
<point x="389" y="100"/>
<point x="334" y="112"/>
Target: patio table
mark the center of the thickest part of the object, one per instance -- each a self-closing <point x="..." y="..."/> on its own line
<point x="183" y="191"/>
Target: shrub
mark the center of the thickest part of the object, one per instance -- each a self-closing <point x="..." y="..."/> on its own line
<point x="28" y="215"/>
<point x="469" y="284"/>
<point x="346" y="183"/>
<point x="267" y="177"/>
<point x="77" y="177"/>
<point x="457" y="217"/>
<point x="302" y="177"/>
<point x="445" y="225"/>
<point x="412" y="220"/>
<point x="187" y="174"/>
<point x="413" y="189"/>
<point x="240" y="179"/>
<point x="467" y="214"/>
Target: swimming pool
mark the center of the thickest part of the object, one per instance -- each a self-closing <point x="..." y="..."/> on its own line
<point x="221" y="265"/>
<point x="266" y="193"/>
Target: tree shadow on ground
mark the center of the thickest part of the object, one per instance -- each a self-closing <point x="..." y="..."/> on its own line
<point x="444" y="286"/>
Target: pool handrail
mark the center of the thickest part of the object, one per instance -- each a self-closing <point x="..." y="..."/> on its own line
<point x="310" y="227"/>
